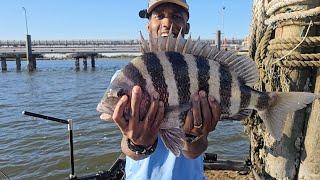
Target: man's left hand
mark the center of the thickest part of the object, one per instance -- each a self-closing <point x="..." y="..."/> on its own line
<point x="204" y="115"/>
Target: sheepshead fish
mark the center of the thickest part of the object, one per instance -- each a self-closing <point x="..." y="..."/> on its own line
<point x="177" y="68"/>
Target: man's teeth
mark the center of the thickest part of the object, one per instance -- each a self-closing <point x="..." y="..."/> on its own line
<point x="165" y="34"/>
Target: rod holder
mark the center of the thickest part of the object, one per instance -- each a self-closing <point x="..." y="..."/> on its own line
<point x="70" y="129"/>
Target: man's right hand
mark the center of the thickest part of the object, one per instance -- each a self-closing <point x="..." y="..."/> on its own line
<point x="140" y="132"/>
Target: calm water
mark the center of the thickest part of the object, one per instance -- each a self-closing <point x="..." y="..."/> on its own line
<point x="33" y="148"/>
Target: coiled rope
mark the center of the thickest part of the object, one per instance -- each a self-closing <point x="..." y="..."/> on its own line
<point x="275" y="5"/>
<point x="290" y="43"/>
<point x="266" y="49"/>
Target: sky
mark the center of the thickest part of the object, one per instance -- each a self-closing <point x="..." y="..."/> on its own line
<point x="114" y="19"/>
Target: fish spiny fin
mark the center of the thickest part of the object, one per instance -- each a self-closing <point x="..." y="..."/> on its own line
<point x="143" y="44"/>
<point x="205" y="50"/>
<point x="198" y="49"/>
<point x="212" y="52"/>
<point x="195" y="46"/>
<point x="170" y="41"/>
<point x="179" y="42"/>
<point x="153" y="43"/>
<point x="172" y="139"/>
<point x="285" y="102"/>
<point x="242" y="66"/>
<point x="186" y="45"/>
<point x="162" y="44"/>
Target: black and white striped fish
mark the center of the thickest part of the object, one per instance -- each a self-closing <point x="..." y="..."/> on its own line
<point x="177" y="68"/>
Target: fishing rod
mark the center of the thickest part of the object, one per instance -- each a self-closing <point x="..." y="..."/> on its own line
<point x="70" y="129"/>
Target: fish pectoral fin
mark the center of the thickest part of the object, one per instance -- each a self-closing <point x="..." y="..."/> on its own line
<point x="173" y="140"/>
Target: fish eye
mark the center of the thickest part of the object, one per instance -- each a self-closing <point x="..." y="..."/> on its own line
<point x="121" y="92"/>
<point x="115" y="92"/>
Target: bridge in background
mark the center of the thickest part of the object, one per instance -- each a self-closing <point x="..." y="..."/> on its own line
<point x="77" y="49"/>
<point x="70" y="46"/>
<point x="82" y="46"/>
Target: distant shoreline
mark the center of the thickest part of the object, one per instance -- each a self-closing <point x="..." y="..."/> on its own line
<point x="70" y="59"/>
<point x="54" y="57"/>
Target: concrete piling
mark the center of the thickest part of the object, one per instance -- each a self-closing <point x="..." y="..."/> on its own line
<point x="34" y="61"/>
<point x="3" y="64"/>
<point x="77" y="63"/>
<point x="93" y="63"/>
<point x="85" y="63"/>
<point x="18" y="63"/>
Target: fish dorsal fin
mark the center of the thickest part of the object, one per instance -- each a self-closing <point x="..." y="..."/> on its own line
<point x="144" y="46"/>
<point x="242" y="66"/>
<point x="179" y="42"/>
<point x="170" y="41"/>
<point x="187" y="45"/>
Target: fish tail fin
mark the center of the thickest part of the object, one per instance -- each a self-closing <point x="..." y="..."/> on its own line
<point x="285" y="102"/>
<point x="172" y="139"/>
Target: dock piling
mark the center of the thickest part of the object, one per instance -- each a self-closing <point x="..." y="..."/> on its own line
<point x="18" y="63"/>
<point x="77" y="64"/>
<point x="3" y="64"/>
<point x="218" y="40"/>
<point x="93" y="63"/>
<point x="29" y="54"/>
<point x="85" y="63"/>
<point x="34" y="61"/>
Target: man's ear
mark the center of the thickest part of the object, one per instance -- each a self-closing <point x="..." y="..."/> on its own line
<point x="187" y="28"/>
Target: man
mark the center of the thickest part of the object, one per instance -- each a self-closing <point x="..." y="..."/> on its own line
<point x="147" y="157"/>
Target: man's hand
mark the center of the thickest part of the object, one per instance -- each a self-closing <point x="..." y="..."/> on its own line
<point x="200" y="121"/>
<point x="140" y="132"/>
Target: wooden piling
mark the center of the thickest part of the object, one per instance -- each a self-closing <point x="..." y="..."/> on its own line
<point x="34" y="61"/>
<point x="281" y="159"/>
<point x="85" y="63"/>
<point x="77" y="63"/>
<point x="93" y="63"/>
<point x="310" y="157"/>
<point x="18" y="63"/>
<point x="29" y="54"/>
<point x="3" y="64"/>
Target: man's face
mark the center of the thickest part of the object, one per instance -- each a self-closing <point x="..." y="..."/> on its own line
<point x="163" y="16"/>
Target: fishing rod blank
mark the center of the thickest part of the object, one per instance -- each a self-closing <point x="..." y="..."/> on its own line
<point x="70" y="128"/>
<point x="45" y="117"/>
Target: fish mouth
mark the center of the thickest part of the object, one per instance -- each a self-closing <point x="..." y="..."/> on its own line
<point x="106" y="110"/>
<point x="106" y="117"/>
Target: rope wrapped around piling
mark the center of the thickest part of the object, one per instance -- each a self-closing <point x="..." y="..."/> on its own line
<point x="290" y="43"/>
<point x="268" y="49"/>
<point x="293" y="15"/>
<point x="277" y="57"/>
